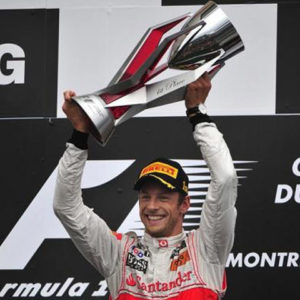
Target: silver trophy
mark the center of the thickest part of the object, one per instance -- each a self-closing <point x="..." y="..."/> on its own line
<point x="202" y="45"/>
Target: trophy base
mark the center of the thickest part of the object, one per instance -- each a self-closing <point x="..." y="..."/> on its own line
<point x="102" y="120"/>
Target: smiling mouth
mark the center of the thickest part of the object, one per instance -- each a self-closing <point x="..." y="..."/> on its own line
<point x="155" y="217"/>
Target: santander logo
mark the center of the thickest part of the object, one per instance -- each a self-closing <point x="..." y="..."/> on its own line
<point x="130" y="280"/>
<point x="158" y="286"/>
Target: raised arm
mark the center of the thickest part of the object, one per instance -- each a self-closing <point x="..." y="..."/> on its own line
<point x="216" y="232"/>
<point x="89" y="232"/>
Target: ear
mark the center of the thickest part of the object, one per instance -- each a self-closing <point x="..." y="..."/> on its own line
<point x="185" y="205"/>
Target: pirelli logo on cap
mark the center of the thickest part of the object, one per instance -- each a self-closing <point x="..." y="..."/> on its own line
<point x="158" y="167"/>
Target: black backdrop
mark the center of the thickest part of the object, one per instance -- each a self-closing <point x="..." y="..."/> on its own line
<point x="263" y="226"/>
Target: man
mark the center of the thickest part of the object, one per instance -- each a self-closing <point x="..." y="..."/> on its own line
<point x="165" y="262"/>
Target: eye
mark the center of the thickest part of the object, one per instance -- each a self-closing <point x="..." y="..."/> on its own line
<point x="163" y="198"/>
<point x="144" y="197"/>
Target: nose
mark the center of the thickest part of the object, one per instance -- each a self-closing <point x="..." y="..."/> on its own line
<point x="152" y="204"/>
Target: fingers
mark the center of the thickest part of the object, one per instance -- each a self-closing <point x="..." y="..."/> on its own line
<point x="203" y="82"/>
<point x="197" y="91"/>
<point x="68" y="95"/>
<point x="67" y="105"/>
<point x="201" y="85"/>
<point x="206" y="76"/>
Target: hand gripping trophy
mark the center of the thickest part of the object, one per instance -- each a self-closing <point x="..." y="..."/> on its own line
<point x="203" y="44"/>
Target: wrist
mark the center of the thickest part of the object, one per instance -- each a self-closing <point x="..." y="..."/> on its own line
<point x="199" y="118"/>
<point x="198" y="114"/>
<point x="79" y="139"/>
<point x="192" y="111"/>
<point x="80" y="128"/>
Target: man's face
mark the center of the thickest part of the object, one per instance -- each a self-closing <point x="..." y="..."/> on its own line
<point x="160" y="210"/>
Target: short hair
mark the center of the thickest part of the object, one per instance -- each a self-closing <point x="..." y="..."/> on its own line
<point x="181" y="198"/>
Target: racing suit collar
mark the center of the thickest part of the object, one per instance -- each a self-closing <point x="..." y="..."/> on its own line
<point x="163" y="242"/>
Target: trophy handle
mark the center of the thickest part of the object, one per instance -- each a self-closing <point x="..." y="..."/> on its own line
<point x="145" y="47"/>
<point x="157" y="93"/>
<point x="145" y="72"/>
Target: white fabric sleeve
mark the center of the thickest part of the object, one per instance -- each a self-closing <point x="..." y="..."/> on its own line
<point x="216" y="231"/>
<point x="89" y="232"/>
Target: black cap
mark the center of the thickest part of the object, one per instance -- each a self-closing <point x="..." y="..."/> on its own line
<point x="167" y="172"/>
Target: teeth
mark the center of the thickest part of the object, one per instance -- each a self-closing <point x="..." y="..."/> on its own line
<point x="155" y="217"/>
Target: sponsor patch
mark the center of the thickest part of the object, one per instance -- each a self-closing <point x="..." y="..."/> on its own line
<point x="183" y="258"/>
<point x="153" y="287"/>
<point x="163" y="243"/>
<point x="185" y="187"/>
<point x="176" y="251"/>
<point x="137" y="264"/>
<point x="158" y="167"/>
<point x="140" y="250"/>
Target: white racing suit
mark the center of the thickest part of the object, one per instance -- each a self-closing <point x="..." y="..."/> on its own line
<point x="183" y="266"/>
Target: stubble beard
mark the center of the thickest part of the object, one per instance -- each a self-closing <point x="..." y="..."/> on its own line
<point x="165" y="231"/>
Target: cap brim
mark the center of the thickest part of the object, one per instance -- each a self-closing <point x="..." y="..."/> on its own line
<point x="151" y="177"/>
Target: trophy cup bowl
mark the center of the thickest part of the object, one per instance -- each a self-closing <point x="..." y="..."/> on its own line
<point x="199" y="46"/>
<point x="202" y="45"/>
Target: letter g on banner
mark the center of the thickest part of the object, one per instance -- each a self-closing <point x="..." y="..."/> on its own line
<point x="12" y="64"/>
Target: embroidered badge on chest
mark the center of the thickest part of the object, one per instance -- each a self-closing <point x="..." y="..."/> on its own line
<point x="136" y="259"/>
<point x="180" y="256"/>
